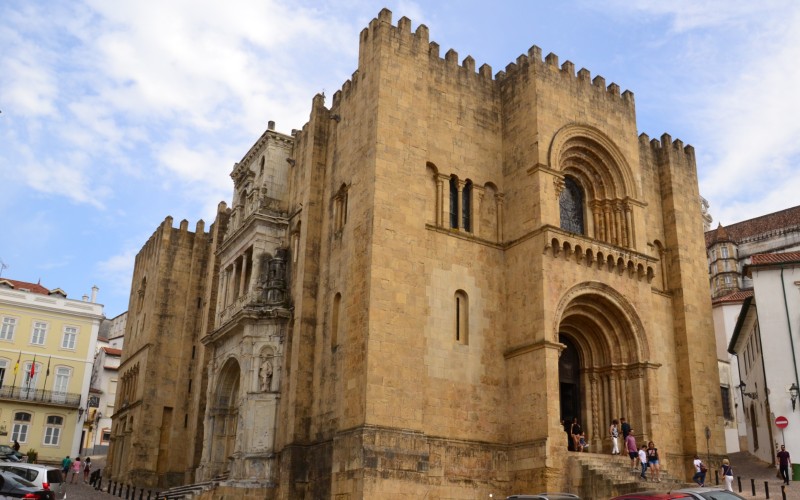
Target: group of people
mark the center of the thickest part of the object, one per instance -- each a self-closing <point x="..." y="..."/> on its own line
<point x="576" y="438"/>
<point x="74" y="468"/>
<point x="645" y="457"/>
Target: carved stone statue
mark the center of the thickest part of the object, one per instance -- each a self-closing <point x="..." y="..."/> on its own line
<point x="265" y="374"/>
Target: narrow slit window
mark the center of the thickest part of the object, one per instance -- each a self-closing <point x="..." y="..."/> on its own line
<point x="462" y="317"/>
<point x="466" y="207"/>
<point x="453" y="203"/>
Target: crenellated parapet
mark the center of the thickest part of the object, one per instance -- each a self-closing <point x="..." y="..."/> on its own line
<point x="417" y="44"/>
<point x="666" y="148"/>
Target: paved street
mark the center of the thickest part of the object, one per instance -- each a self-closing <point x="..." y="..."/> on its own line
<point x="744" y="465"/>
<point x="748" y="467"/>
<point x="82" y="491"/>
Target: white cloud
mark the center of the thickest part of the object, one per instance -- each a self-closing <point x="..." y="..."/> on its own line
<point x="117" y="271"/>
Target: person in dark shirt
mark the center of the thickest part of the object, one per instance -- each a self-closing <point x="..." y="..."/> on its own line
<point x="784" y="462"/>
<point x="626" y="428"/>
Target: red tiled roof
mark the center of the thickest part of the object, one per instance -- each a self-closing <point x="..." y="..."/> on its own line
<point x="32" y="287"/>
<point x="752" y="227"/>
<point x="112" y="351"/>
<point x="733" y="297"/>
<point x="774" y="258"/>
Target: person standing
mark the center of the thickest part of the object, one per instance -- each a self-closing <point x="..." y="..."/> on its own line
<point x="77" y="468"/>
<point x="565" y="423"/>
<point x="700" y="471"/>
<point x="784" y="462"/>
<point x="65" y="465"/>
<point x="576" y="431"/>
<point x="87" y="467"/>
<point x="727" y="473"/>
<point x="643" y="462"/>
<point x="614" y="432"/>
<point x="653" y="463"/>
<point x="626" y="427"/>
<point x="633" y="452"/>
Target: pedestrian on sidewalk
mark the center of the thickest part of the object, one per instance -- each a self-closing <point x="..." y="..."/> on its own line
<point x="784" y="462"/>
<point x="727" y="473"/>
<point x="65" y="465"/>
<point x="700" y="471"/>
<point x="77" y="470"/>
<point x="87" y="467"/>
<point x="633" y="451"/>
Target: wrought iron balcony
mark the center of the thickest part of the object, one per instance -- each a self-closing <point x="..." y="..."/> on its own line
<point x="41" y="396"/>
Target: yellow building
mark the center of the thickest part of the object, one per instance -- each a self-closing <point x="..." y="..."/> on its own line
<point x="47" y="345"/>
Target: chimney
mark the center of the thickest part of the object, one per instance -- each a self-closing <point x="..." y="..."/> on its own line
<point x="85" y="298"/>
<point x="94" y="293"/>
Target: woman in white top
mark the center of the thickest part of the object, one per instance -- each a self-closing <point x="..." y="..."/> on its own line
<point x="614" y="431"/>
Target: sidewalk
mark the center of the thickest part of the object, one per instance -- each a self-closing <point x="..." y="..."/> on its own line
<point x="749" y="467"/>
<point x="79" y="490"/>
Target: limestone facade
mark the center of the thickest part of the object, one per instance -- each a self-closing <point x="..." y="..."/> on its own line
<point x="468" y="259"/>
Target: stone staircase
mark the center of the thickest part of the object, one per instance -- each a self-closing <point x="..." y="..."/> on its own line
<point x="595" y="475"/>
<point x="185" y="491"/>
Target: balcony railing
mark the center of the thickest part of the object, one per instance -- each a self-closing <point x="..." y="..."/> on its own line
<point x="40" y="396"/>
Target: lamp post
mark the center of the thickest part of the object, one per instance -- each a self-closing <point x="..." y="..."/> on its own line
<point x="794" y="391"/>
<point x="751" y="395"/>
<point x="708" y="448"/>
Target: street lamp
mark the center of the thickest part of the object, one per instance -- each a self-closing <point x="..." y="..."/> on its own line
<point x="751" y="395"/>
<point x="80" y="412"/>
<point x="794" y="391"/>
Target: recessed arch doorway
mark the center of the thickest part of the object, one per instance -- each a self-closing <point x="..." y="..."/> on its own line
<point x="225" y="416"/>
<point x="604" y="368"/>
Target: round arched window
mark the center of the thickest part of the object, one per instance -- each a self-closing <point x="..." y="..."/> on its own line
<point x="571" y="207"/>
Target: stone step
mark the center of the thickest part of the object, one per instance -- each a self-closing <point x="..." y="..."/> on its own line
<point x="615" y="473"/>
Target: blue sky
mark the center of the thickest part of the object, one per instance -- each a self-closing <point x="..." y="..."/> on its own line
<point x="117" y="114"/>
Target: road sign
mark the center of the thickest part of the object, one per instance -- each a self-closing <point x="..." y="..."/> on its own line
<point x="781" y="422"/>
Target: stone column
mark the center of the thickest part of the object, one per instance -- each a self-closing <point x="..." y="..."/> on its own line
<point x="499" y="199"/>
<point x="439" y="200"/>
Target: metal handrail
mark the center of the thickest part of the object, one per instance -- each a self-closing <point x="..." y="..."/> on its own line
<point x="40" y="396"/>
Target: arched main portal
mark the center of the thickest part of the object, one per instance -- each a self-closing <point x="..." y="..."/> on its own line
<point x="225" y="416"/>
<point x="604" y="371"/>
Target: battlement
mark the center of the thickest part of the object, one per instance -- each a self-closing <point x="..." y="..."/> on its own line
<point x="666" y="145"/>
<point x="418" y="43"/>
<point x="165" y="236"/>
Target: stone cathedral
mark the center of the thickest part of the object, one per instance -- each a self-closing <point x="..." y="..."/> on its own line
<point x="407" y="295"/>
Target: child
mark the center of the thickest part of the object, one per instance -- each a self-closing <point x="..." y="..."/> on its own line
<point x="643" y="460"/>
<point x="582" y="444"/>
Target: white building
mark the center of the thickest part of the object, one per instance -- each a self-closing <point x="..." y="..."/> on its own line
<point x="729" y="250"/>
<point x="766" y="345"/>
<point x="104" y="384"/>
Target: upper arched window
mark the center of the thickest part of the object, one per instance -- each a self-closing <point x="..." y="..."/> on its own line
<point x="466" y="207"/>
<point x="453" y="202"/>
<point x="571" y="207"/>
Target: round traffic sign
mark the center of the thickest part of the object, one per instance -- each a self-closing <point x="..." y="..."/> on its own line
<point x="781" y="422"/>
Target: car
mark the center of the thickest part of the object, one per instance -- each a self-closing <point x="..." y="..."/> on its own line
<point x="696" y="493"/>
<point x="545" y="496"/>
<point x="43" y="476"/>
<point x="13" y="486"/>
<point x="9" y="454"/>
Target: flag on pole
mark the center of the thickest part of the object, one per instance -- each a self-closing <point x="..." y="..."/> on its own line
<point x="33" y="367"/>
<point x="16" y="367"/>
<point x="48" y="366"/>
